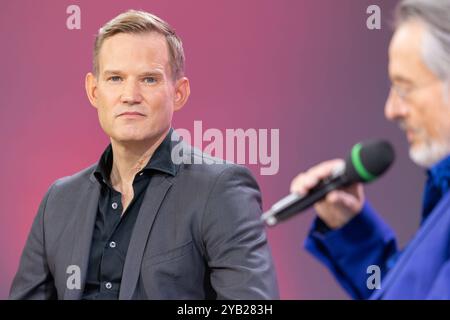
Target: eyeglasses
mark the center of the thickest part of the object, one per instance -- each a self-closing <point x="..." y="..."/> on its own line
<point x="404" y="94"/>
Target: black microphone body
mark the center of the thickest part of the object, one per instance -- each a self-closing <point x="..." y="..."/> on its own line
<point x="366" y="162"/>
<point x="296" y="203"/>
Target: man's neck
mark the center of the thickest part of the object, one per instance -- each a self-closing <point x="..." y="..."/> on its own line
<point x="130" y="158"/>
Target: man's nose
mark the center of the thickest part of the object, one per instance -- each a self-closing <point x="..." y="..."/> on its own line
<point x="395" y="108"/>
<point x="131" y="93"/>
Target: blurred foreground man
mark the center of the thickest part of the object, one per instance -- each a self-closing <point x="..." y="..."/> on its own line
<point x="348" y="236"/>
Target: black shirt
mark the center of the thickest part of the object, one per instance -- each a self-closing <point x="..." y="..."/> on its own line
<point x="112" y="230"/>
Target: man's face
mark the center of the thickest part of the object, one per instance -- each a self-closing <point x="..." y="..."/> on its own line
<point x="416" y="100"/>
<point x="134" y="92"/>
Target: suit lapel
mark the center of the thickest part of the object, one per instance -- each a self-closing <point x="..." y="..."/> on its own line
<point x="84" y="227"/>
<point x="153" y="198"/>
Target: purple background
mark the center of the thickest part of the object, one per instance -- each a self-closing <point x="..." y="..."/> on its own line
<point x="310" y="68"/>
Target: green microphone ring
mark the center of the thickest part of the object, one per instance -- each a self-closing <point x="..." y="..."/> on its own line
<point x="357" y="163"/>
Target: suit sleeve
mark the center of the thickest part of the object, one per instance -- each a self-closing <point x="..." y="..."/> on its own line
<point x="364" y="241"/>
<point x="440" y="289"/>
<point x="236" y="245"/>
<point x="33" y="280"/>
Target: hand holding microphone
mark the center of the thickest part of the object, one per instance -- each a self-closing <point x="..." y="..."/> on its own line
<point x="334" y="187"/>
<point x="340" y="205"/>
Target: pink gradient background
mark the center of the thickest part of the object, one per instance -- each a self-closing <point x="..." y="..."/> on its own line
<point x="310" y="68"/>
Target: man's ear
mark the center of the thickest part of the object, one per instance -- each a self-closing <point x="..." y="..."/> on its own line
<point x="182" y="92"/>
<point x="91" y="88"/>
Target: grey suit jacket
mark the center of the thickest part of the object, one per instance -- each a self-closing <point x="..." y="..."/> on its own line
<point x="197" y="236"/>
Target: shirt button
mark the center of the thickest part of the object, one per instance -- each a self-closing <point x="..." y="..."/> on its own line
<point x="114" y="205"/>
<point x="112" y="244"/>
<point x="108" y="285"/>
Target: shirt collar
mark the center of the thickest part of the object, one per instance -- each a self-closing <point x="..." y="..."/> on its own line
<point x="161" y="160"/>
<point x="440" y="172"/>
<point x="436" y="186"/>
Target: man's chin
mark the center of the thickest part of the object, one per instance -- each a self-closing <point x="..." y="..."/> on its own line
<point x="427" y="155"/>
<point x="129" y="139"/>
<point x="136" y="138"/>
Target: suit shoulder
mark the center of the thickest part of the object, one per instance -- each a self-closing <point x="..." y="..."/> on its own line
<point x="212" y="166"/>
<point x="76" y="179"/>
<point x="210" y="173"/>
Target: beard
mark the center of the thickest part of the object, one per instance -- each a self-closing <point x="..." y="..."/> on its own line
<point x="429" y="153"/>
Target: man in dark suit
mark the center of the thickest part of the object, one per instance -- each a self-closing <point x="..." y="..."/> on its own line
<point x="137" y="224"/>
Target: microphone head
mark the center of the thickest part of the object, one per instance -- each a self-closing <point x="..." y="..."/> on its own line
<point x="369" y="160"/>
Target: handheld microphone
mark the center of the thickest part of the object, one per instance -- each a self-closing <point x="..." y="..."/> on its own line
<point x="366" y="162"/>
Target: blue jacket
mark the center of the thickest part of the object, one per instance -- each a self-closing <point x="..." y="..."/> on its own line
<point x="420" y="271"/>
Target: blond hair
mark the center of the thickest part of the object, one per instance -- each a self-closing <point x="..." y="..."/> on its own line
<point x="136" y="22"/>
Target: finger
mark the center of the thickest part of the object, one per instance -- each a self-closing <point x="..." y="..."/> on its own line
<point x="310" y="181"/>
<point x="356" y="190"/>
<point x="332" y="197"/>
<point x="307" y="180"/>
<point x="303" y="183"/>
<point x="297" y="184"/>
<point x="325" y="169"/>
<point x="345" y="200"/>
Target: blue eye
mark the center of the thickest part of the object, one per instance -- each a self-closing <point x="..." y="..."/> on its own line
<point x="149" y="80"/>
<point x="115" y="78"/>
